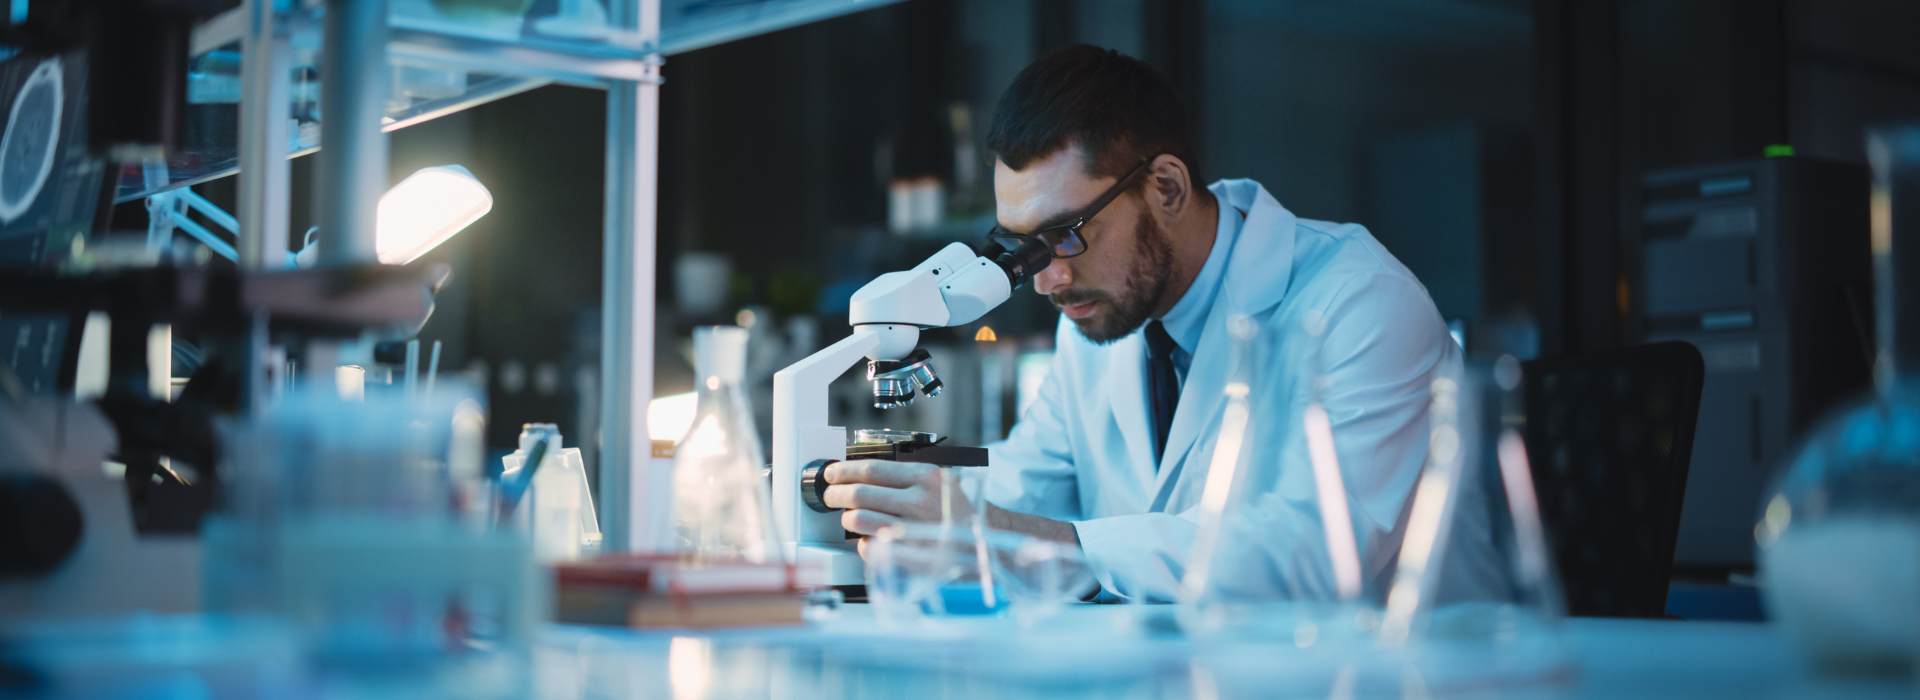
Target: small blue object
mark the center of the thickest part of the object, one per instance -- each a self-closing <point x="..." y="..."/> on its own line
<point x="966" y="599"/>
<point x="1703" y="602"/>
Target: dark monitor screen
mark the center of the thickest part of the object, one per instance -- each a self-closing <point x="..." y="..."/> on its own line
<point x="50" y="194"/>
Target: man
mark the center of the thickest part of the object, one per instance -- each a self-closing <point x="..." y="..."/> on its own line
<point x="1093" y="155"/>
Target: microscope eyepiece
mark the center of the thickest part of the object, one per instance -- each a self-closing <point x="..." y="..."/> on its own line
<point x="1022" y="263"/>
<point x="894" y="381"/>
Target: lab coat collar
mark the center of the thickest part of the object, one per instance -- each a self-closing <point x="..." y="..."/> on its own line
<point x="1259" y="268"/>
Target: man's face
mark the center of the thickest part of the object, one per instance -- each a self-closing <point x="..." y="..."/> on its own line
<point x="1121" y="281"/>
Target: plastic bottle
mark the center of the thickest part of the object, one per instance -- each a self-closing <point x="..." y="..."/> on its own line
<point x="558" y="506"/>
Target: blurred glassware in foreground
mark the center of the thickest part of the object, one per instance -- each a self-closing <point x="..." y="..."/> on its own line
<point x="1839" y="531"/>
<point x="1473" y="601"/>
<point x="918" y="572"/>
<point x="1239" y="583"/>
<point x="143" y="655"/>
<point x="721" y="509"/>
<point x="557" y="508"/>
<point x="951" y="567"/>
<point x="364" y="524"/>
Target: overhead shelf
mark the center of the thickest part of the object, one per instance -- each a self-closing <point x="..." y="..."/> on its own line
<point x="443" y="66"/>
<point x="686" y="25"/>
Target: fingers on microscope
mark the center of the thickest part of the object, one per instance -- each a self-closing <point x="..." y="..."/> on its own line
<point x="866" y="522"/>
<point x="898" y="475"/>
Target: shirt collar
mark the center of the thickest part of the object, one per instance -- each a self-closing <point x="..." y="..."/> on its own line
<point x="1188" y="318"/>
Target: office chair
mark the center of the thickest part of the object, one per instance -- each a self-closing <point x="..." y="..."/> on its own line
<point x="1609" y="437"/>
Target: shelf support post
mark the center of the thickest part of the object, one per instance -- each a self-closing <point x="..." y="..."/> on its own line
<point x="631" y="493"/>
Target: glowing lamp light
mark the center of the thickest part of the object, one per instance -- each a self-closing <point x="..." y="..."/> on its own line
<point x="425" y="210"/>
<point x="669" y="417"/>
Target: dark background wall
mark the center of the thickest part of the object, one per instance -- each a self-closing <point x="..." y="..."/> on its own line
<point x="1493" y="145"/>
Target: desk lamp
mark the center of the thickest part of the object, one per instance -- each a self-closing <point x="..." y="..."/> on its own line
<point x="420" y="213"/>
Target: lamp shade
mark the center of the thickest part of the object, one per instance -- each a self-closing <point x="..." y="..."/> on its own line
<point x="426" y="209"/>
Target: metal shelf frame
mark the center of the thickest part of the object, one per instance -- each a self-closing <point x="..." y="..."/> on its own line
<point x="626" y="64"/>
<point x="360" y="40"/>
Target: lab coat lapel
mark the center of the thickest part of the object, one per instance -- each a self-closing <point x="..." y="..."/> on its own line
<point x="1127" y="392"/>
<point x="1259" y="266"/>
<point x="1200" y="399"/>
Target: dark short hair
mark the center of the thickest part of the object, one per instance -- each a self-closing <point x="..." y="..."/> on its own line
<point x="1117" y="108"/>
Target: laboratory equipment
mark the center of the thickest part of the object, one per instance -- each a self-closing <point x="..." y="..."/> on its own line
<point x="90" y="560"/>
<point x="945" y="567"/>
<point x="890" y="445"/>
<point x="558" y="505"/>
<point x="718" y="500"/>
<point x="1475" y="599"/>
<point x="363" y="524"/>
<point x="1839" y="531"/>
<point x="1764" y="265"/>
<point x="920" y="572"/>
<point x="419" y="214"/>
<point x="952" y="287"/>
<point x="1229" y="588"/>
<point x="155" y="437"/>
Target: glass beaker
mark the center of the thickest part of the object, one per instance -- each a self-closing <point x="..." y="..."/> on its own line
<point x="365" y="524"/>
<point x="920" y="571"/>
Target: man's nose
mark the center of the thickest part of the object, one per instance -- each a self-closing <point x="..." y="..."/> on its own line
<point x="1055" y="276"/>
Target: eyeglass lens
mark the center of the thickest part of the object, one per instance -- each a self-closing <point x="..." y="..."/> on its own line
<point x="1062" y="241"/>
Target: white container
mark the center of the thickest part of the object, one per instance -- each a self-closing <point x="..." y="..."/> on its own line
<point x="557" y="509"/>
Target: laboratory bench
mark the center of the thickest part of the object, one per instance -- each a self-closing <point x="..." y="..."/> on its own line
<point x="1102" y="651"/>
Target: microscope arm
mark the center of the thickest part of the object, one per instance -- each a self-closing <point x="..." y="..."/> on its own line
<point x="800" y="429"/>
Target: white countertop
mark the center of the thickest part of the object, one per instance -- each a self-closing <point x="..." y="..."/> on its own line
<point x="1104" y="651"/>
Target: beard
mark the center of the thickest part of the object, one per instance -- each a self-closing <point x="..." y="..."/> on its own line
<point x="1119" y="315"/>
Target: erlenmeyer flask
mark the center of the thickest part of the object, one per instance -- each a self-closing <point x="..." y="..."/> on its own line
<point x="1475" y="599"/>
<point x="1245" y="580"/>
<point x="720" y="506"/>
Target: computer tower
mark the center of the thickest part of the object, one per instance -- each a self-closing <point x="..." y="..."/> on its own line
<point x="1765" y="265"/>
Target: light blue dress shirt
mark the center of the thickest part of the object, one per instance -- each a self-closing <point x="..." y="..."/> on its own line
<point x="1188" y="317"/>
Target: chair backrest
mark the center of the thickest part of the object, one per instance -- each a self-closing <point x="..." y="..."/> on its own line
<point x="1610" y="436"/>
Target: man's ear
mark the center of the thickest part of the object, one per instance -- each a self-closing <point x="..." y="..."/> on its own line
<point x="1169" y="188"/>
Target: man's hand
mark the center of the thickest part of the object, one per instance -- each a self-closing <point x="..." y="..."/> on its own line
<point x="878" y="493"/>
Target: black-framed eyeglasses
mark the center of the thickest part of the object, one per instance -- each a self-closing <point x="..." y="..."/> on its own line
<point x="1064" y="240"/>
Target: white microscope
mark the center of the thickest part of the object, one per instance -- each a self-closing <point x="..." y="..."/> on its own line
<point x="951" y="288"/>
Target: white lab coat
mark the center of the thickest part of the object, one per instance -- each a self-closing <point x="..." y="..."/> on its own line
<point x="1082" y="450"/>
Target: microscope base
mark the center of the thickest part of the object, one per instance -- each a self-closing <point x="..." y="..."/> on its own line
<point x="822" y="564"/>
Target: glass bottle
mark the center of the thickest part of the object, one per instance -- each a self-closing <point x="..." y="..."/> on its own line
<point x="1839" y="529"/>
<point x="721" y="509"/>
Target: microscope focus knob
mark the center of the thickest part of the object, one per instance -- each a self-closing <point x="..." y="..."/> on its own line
<point x="813" y="485"/>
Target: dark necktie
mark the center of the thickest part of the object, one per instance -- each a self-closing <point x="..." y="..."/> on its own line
<point x="1163" y="386"/>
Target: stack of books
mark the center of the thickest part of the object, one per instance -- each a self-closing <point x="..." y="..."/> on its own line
<point x="650" y="590"/>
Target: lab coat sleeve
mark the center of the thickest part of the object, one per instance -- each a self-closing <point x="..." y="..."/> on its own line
<point x="1033" y="470"/>
<point x="1383" y="344"/>
<point x="1379" y="382"/>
